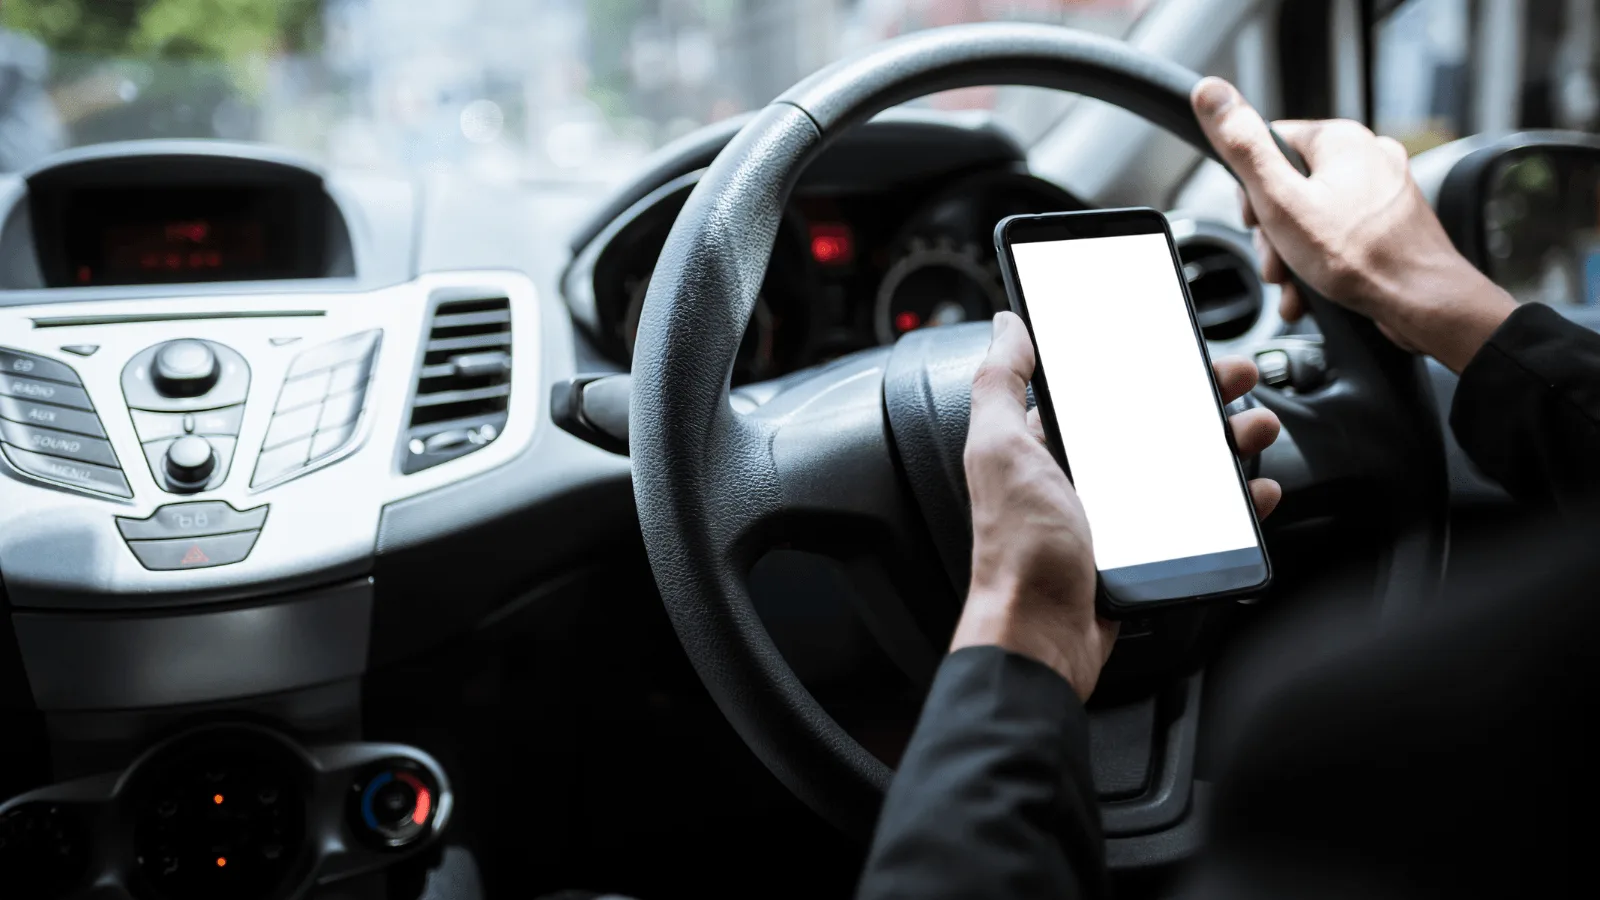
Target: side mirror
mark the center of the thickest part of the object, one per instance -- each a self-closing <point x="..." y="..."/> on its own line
<point x="1526" y="211"/>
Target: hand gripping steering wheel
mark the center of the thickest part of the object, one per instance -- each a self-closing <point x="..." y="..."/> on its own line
<point x="864" y="454"/>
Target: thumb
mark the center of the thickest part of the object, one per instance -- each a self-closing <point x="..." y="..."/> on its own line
<point x="999" y="389"/>
<point x="1245" y="144"/>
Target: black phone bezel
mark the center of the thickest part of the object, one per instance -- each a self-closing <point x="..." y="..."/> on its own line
<point x="1065" y="226"/>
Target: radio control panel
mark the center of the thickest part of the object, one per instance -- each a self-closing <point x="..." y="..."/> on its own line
<point x="141" y="441"/>
<point x="49" y="429"/>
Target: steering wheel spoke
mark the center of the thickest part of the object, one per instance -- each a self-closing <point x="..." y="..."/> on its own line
<point x="840" y="494"/>
<point x="825" y="439"/>
<point x="1311" y="456"/>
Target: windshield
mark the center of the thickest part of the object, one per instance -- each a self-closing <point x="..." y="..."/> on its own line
<point x="504" y="89"/>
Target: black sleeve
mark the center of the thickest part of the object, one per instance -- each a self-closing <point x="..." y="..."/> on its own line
<point x="994" y="796"/>
<point x="1446" y="754"/>
<point x="1527" y="410"/>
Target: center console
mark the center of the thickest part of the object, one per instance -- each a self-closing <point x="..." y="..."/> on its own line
<point x="181" y="449"/>
<point x="206" y="411"/>
<point x="227" y="811"/>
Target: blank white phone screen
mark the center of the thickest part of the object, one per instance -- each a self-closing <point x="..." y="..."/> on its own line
<point x="1133" y="399"/>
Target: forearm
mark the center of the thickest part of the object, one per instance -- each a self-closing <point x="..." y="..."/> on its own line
<point x="1527" y="410"/>
<point x="1446" y="309"/>
<point x="993" y="797"/>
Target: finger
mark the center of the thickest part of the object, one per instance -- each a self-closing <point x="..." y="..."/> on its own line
<point x="1254" y="430"/>
<point x="1399" y="341"/>
<point x="1298" y="133"/>
<point x="1326" y="141"/>
<point x="1264" y="495"/>
<point x="1291" y="306"/>
<point x="1273" y="271"/>
<point x="1245" y="145"/>
<point x="1109" y="629"/>
<point x="1306" y="136"/>
<point x="1235" y="377"/>
<point x="1396" y="150"/>
<point x="1273" y="268"/>
<point x="1246" y="211"/>
<point x="1000" y="387"/>
<point x="1036" y="426"/>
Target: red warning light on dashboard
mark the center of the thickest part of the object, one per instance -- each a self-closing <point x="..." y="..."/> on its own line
<point x="832" y="245"/>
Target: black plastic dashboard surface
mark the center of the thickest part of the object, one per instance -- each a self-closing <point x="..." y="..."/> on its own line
<point x="307" y="639"/>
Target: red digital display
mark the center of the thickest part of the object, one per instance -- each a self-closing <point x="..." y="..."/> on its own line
<point x="100" y="235"/>
<point x="832" y="245"/>
<point x="182" y="246"/>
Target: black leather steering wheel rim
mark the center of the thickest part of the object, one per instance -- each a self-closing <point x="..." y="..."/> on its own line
<point x="704" y="476"/>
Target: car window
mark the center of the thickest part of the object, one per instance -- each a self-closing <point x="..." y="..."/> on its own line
<point x="1444" y="69"/>
<point x="1420" y="75"/>
<point x="504" y="89"/>
<point x="1561" y="70"/>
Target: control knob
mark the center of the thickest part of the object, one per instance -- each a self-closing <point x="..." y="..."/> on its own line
<point x="190" y="463"/>
<point x="185" y="368"/>
<point x="395" y="806"/>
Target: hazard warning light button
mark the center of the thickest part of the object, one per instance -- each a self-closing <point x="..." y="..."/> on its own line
<point x="194" y="552"/>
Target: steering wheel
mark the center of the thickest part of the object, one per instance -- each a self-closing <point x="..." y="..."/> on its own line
<point x="864" y="455"/>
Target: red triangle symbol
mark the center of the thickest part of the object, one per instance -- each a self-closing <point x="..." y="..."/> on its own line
<point x="194" y="557"/>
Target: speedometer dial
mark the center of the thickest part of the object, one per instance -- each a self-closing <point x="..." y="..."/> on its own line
<point x="936" y="283"/>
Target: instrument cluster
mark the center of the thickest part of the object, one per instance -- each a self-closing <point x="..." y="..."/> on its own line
<point x="850" y="268"/>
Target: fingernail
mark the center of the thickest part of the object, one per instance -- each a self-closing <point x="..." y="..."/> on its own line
<point x="1001" y="323"/>
<point x="1213" y="96"/>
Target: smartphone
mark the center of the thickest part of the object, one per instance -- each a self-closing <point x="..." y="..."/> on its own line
<point x="1131" y="409"/>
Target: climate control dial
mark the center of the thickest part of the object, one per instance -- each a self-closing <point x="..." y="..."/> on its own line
<point x="394" y="806"/>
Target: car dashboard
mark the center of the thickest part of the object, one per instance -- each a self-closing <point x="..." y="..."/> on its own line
<point x="267" y="432"/>
<point x="166" y="450"/>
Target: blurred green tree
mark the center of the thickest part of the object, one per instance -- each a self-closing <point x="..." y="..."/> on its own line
<point x="161" y="68"/>
<point x="225" y="30"/>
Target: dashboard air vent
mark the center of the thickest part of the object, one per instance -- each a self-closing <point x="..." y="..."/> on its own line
<point x="1225" y="288"/>
<point x="464" y="386"/>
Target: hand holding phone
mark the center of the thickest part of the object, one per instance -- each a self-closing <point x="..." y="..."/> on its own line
<point x="1129" y="405"/>
<point x="1033" y="577"/>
